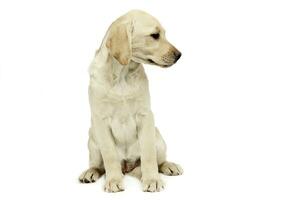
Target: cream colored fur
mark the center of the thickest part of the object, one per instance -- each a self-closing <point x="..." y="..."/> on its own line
<point x="122" y="124"/>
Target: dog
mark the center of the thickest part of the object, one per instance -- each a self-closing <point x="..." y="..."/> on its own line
<point x="123" y="138"/>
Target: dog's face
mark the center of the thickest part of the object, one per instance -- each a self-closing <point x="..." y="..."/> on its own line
<point x="139" y="37"/>
<point x="149" y="44"/>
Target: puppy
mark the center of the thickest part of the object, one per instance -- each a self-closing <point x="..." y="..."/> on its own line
<point x="123" y="138"/>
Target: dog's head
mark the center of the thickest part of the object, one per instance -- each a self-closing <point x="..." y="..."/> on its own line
<point x="139" y="37"/>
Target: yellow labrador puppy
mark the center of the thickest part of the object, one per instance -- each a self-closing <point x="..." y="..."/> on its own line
<point x="123" y="138"/>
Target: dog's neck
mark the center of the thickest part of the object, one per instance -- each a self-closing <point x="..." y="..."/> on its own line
<point x="119" y="70"/>
<point x="115" y="72"/>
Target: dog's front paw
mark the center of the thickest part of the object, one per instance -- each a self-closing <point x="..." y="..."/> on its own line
<point x="152" y="184"/>
<point x="113" y="185"/>
<point x="170" y="169"/>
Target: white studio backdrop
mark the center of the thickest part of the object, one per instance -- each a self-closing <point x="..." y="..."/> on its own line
<point x="229" y="109"/>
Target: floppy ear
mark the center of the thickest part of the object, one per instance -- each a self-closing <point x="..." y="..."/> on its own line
<point x="119" y="42"/>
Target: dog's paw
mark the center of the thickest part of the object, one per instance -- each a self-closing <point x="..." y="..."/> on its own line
<point x="170" y="169"/>
<point x="152" y="185"/>
<point x="90" y="175"/>
<point x="113" y="185"/>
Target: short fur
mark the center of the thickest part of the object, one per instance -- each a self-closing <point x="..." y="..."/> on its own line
<point x="123" y="138"/>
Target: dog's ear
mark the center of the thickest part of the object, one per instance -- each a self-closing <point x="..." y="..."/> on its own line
<point x="119" y="42"/>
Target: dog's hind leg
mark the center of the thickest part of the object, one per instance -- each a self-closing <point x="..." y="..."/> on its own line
<point x="165" y="167"/>
<point x="96" y="169"/>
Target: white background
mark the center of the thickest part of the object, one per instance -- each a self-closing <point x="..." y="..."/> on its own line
<point x="228" y="110"/>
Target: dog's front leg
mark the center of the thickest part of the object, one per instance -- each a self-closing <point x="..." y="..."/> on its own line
<point x="110" y="156"/>
<point x="150" y="178"/>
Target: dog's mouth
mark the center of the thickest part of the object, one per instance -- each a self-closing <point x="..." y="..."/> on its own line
<point x="155" y="63"/>
<point x="151" y="61"/>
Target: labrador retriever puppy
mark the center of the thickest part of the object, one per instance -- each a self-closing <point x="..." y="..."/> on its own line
<point x="123" y="137"/>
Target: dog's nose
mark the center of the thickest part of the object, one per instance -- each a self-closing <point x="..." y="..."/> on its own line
<point x="177" y="55"/>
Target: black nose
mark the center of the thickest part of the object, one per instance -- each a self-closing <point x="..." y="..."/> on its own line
<point x="177" y="55"/>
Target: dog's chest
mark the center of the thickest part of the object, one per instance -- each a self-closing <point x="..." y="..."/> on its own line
<point x="123" y="126"/>
<point x="125" y="87"/>
<point x="123" y="122"/>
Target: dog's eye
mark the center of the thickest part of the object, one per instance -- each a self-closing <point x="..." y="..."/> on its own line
<point x="155" y="36"/>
